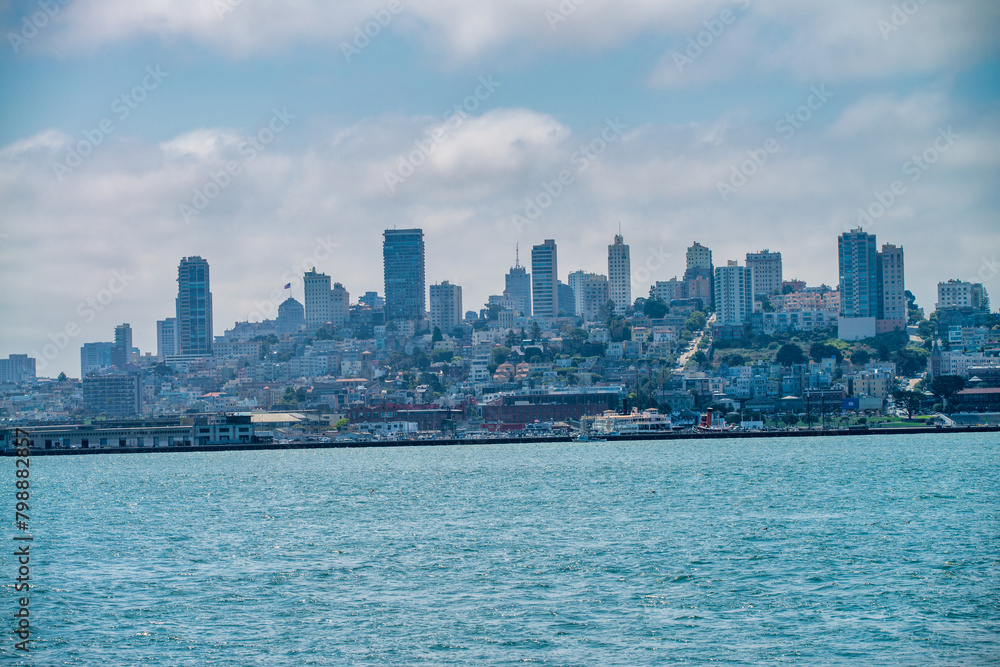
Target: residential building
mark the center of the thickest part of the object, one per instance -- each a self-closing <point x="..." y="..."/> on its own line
<point x="669" y="290"/>
<point x="591" y="292"/>
<point x="893" y="312"/>
<point x="734" y="294"/>
<point x="872" y="290"/>
<point x="317" y="308"/>
<point x="567" y="299"/>
<point x="699" y="275"/>
<point x="544" y="279"/>
<point x="96" y="357"/>
<point x="403" y="267"/>
<point x="166" y="337"/>
<point x="340" y="305"/>
<point x="766" y="268"/>
<point x="446" y="306"/>
<point x="122" y="353"/>
<point x="118" y="395"/>
<point x="194" y="307"/>
<point x="17" y="368"/>
<point x="959" y="294"/>
<point x="620" y="274"/>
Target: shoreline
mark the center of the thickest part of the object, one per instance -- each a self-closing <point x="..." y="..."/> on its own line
<point x="444" y="442"/>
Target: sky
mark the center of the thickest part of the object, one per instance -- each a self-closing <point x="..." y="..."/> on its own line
<point x="270" y="137"/>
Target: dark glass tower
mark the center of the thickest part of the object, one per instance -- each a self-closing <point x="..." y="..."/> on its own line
<point x="194" y="307"/>
<point x="403" y="261"/>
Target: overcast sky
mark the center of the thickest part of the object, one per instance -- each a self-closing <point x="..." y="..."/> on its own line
<point x="264" y="135"/>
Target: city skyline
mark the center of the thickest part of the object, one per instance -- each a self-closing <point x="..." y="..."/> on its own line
<point x="120" y="152"/>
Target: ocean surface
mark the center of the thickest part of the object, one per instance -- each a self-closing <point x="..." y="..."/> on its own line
<point x="817" y="551"/>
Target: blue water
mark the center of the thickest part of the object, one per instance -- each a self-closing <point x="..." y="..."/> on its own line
<point x="861" y="550"/>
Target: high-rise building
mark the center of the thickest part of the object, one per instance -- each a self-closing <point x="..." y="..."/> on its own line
<point x="766" y="268"/>
<point x="194" y="307"/>
<point x="403" y="264"/>
<point x="446" y="306"/>
<point x="699" y="275"/>
<point x="669" y="290"/>
<point x="166" y="337"/>
<point x="566" y="298"/>
<point x="733" y="294"/>
<point x="544" y="279"/>
<point x="591" y="291"/>
<point x="316" y="293"/>
<point x="872" y="290"/>
<point x="17" y="368"/>
<point x="340" y="305"/>
<point x="858" y="274"/>
<point x="892" y="309"/>
<point x="958" y="294"/>
<point x="620" y="274"/>
<point x="123" y="346"/>
<point x="518" y="285"/>
<point x="96" y="357"/>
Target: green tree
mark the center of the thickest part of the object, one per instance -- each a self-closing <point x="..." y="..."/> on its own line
<point x="860" y="357"/>
<point x="436" y="336"/>
<point x="500" y="354"/>
<point x="62" y="377"/>
<point x="915" y="314"/>
<point x="654" y="307"/>
<point x="907" y="400"/>
<point x="342" y="424"/>
<point x="790" y="419"/>
<point x="946" y="386"/>
<point x="820" y="351"/>
<point x="790" y="354"/>
<point x="695" y="321"/>
<point x="536" y="331"/>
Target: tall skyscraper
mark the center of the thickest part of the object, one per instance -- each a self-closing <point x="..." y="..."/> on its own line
<point x="591" y="292"/>
<point x="446" y="306"/>
<point x="403" y="264"/>
<point x="518" y="285"/>
<point x="194" y="307"/>
<point x="166" y="337"/>
<point x="766" y="268"/>
<point x="544" y="279"/>
<point x="858" y="274"/>
<point x="123" y="346"/>
<point x="892" y="309"/>
<point x="872" y="290"/>
<point x="316" y="293"/>
<point x="340" y="305"/>
<point x="620" y="274"/>
<point x="733" y="294"/>
<point x="567" y="300"/>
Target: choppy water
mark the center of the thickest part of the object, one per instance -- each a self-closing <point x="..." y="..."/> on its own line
<point x="857" y="550"/>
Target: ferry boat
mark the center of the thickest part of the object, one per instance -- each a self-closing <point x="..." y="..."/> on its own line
<point x="634" y="423"/>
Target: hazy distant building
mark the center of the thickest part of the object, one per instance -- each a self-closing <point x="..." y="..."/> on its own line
<point x="446" y="306"/>
<point x="592" y="292"/>
<point x="403" y="266"/>
<point x="733" y="294"/>
<point x="340" y="305"/>
<point x="766" y="268"/>
<point x="699" y="275"/>
<point x="316" y="293"/>
<point x="620" y="274"/>
<point x="544" y="279"/>
<point x="669" y="290"/>
<point x="118" y="395"/>
<point x="17" y="368"/>
<point x="166" y="337"/>
<point x="893" y="312"/>
<point x="959" y="294"/>
<point x="567" y="299"/>
<point x="194" y="307"/>
<point x="518" y="285"/>
<point x="291" y="317"/>
<point x="122" y="353"/>
<point x="96" y="357"/>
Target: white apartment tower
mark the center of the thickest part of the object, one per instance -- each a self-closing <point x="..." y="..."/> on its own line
<point x="766" y="267"/>
<point x="620" y="274"/>
<point x="733" y="293"/>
